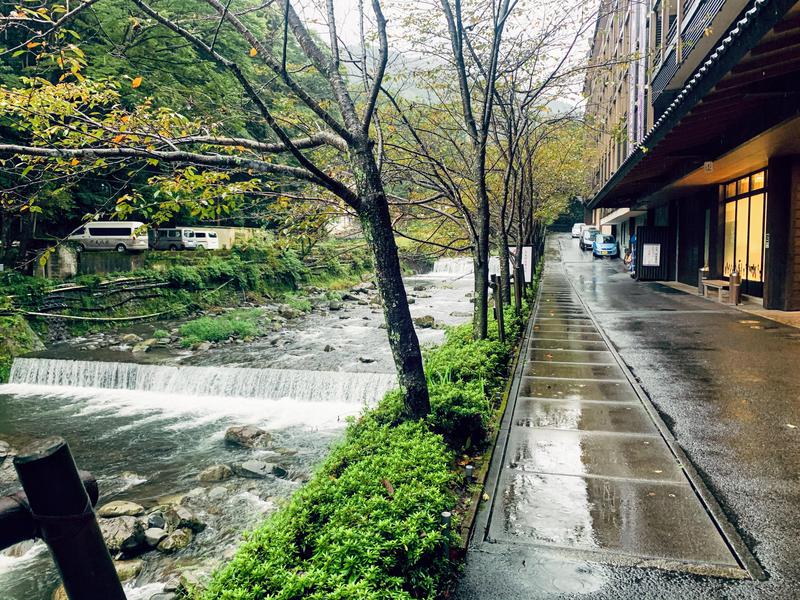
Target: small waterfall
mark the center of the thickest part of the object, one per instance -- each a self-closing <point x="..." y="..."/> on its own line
<point x="454" y="267"/>
<point x="269" y="384"/>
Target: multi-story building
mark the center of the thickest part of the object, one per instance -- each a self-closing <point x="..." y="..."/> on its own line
<point x="696" y="107"/>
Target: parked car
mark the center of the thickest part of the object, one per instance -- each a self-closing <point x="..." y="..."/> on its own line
<point x="110" y="235"/>
<point x="605" y="245"/>
<point x="587" y="237"/>
<point x="577" y="229"/>
<point x="172" y="238"/>
<point x="206" y="239"/>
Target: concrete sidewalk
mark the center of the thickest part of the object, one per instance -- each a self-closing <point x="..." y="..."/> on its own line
<point x="589" y="495"/>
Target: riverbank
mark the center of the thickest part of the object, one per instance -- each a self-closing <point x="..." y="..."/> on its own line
<point x="268" y="281"/>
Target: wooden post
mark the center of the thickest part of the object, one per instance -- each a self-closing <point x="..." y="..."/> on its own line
<point x="66" y="522"/>
<point x="498" y="306"/>
<point x="519" y="286"/>
<point x="16" y="521"/>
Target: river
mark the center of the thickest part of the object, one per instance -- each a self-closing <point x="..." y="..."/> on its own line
<point x="146" y="426"/>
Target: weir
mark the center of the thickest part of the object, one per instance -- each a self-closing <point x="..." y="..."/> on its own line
<point x="269" y="384"/>
<point x="462" y="265"/>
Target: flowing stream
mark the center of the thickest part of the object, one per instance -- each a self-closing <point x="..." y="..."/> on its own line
<point x="145" y="426"/>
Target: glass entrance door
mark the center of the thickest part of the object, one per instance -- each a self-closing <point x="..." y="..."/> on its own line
<point x="745" y="209"/>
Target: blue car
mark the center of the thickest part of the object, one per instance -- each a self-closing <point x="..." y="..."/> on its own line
<point x="605" y="245"/>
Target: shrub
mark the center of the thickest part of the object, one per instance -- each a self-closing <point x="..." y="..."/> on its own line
<point x="367" y="525"/>
<point x="240" y="323"/>
<point x="160" y="334"/>
<point x="183" y="277"/>
<point x="299" y="303"/>
<point x="460" y="412"/>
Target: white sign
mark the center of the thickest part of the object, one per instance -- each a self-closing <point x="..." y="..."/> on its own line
<point x="527" y="261"/>
<point x="651" y="255"/>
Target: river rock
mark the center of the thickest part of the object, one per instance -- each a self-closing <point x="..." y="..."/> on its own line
<point x="461" y="314"/>
<point x="258" y="469"/>
<point x="287" y="312"/>
<point x="202" y="346"/>
<point x="218" y="493"/>
<point x="128" y="569"/>
<point x="215" y="473"/>
<point x="130" y="338"/>
<point x="156" y="520"/>
<point x="254" y="469"/>
<point x="60" y="593"/>
<point x="177" y="540"/>
<point x="412" y="300"/>
<point x="180" y="517"/>
<point x="163" y="596"/>
<point x="120" y="508"/>
<point x="366" y="359"/>
<point x="328" y="348"/>
<point x="334" y="305"/>
<point x="153" y="536"/>
<point x="248" y="436"/>
<point x="425" y="322"/>
<point x="122" y="534"/>
<point x="350" y="297"/>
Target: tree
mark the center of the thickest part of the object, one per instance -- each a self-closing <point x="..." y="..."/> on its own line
<point x="303" y="127"/>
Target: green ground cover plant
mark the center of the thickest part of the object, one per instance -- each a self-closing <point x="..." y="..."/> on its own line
<point x="237" y="323"/>
<point x="368" y="523"/>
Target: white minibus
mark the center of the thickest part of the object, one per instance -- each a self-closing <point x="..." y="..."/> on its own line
<point x="172" y="238"/>
<point x="110" y="235"/>
<point x="206" y="239"/>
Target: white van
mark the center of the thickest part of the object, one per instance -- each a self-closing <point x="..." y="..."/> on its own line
<point x="206" y="239"/>
<point x="172" y="238"/>
<point x="110" y="235"/>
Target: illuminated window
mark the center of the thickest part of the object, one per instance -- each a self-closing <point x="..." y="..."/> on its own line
<point x="745" y="212"/>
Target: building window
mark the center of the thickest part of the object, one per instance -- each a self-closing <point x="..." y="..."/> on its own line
<point x="745" y="210"/>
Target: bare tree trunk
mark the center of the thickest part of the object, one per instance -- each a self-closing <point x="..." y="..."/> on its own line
<point x="481" y="257"/>
<point x="505" y="272"/>
<point x="376" y="224"/>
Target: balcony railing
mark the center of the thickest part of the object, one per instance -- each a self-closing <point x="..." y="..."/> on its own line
<point x="697" y="17"/>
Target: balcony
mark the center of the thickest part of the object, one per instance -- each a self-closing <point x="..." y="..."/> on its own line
<point x="695" y="26"/>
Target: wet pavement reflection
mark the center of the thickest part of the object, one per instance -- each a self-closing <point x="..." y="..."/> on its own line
<point x="586" y="471"/>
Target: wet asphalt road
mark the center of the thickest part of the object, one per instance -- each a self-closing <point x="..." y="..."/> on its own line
<point x="727" y="385"/>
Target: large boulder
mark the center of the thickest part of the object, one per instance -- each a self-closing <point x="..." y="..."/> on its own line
<point x="248" y="436"/>
<point x="177" y="540"/>
<point x="215" y="473"/>
<point x="130" y="338"/>
<point x="120" y="508"/>
<point x="123" y="534"/>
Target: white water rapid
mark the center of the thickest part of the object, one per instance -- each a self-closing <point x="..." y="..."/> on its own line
<point x="269" y="384"/>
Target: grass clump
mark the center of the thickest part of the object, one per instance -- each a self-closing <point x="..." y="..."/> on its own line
<point x="160" y="334"/>
<point x="237" y="323"/>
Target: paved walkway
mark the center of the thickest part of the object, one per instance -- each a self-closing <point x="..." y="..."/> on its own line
<point x="588" y="484"/>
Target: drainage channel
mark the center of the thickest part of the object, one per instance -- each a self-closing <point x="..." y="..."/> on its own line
<point x="588" y="465"/>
